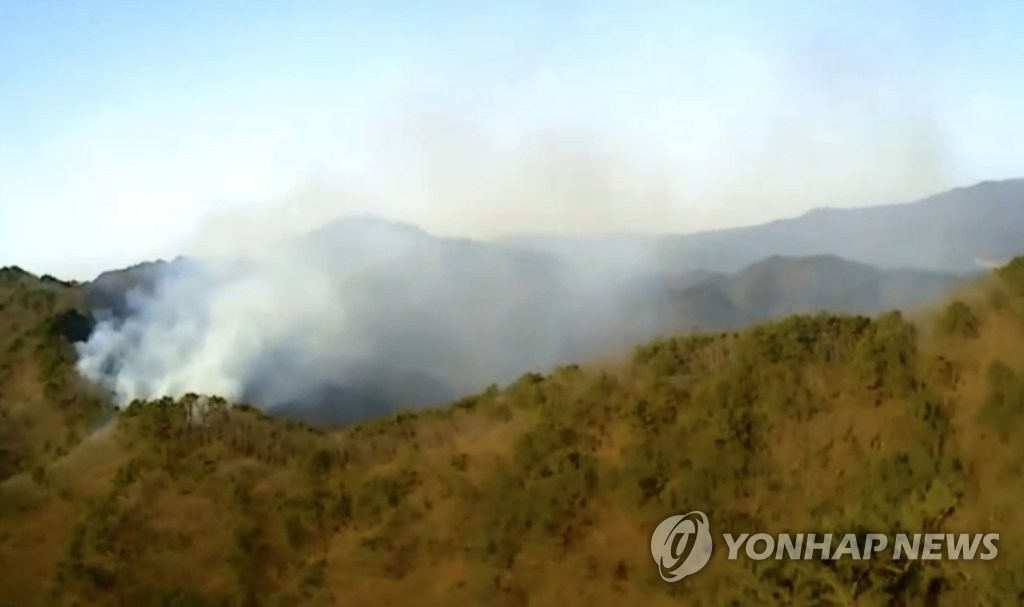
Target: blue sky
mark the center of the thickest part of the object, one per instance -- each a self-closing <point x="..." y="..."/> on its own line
<point x="127" y="128"/>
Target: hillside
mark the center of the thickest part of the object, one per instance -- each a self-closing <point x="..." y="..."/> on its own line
<point x="364" y="315"/>
<point x="542" y="493"/>
<point x="959" y="230"/>
<point x="780" y="286"/>
<point x="44" y="408"/>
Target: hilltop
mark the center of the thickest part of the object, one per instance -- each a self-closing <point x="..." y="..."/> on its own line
<point x="960" y="230"/>
<point x="542" y="492"/>
<point x="780" y="286"/>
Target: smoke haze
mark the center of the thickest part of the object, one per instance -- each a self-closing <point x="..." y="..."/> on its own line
<point x="323" y="298"/>
<point x="285" y="301"/>
<point x="360" y="313"/>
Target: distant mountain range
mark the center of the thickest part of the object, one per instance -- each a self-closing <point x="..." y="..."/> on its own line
<point x="962" y="230"/>
<point x="780" y="286"/>
<point x="440" y="317"/>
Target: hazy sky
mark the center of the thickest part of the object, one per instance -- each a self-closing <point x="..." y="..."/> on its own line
<point x="128" y="127"/>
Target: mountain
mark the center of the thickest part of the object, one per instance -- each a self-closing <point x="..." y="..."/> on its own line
<point x="45" y="408"/>
<point x="780" y="286"/>
<point x="961" y="230"/>
<point x="543" y="492"/>
<point x="111" y="290"/>
<point x="372" y="392"/>
<point x="443" y="317"/>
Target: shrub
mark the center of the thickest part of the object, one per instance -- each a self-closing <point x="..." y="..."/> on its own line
<point x="959" y="320"/>
<point x="1013" y="275"/>
<point x="176" y="598"/>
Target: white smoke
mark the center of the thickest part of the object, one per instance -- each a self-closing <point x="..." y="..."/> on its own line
<point x="287" y="306"/>
<point x="355" y="317"/>
<point x="203" y="327"/>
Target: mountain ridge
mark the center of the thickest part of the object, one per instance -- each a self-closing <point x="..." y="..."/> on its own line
<point x="1011" y="190"/>
<point x="945" y="231"/>
<point x="429" y="311"/>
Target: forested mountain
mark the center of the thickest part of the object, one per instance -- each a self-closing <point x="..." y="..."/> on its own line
<point x="371" y="315"/>
<point x="542" y="492"/>
<point x="779" y="286"/>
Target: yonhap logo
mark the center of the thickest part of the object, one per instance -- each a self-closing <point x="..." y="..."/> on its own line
<point x="681" y="545"/>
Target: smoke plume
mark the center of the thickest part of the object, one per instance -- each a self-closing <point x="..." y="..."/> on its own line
<point x="321" y="302"/>
<point x="354" y="318"/>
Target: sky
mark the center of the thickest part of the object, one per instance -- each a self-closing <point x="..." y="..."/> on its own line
<point x="135" y="130"/>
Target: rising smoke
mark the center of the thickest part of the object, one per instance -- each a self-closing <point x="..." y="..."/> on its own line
<point x="297" y="306"/>
<point x="355" y="318"/>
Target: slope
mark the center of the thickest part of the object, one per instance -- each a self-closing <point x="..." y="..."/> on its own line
<point x="546" y="492"/>
<point x="959" y="230"/>
<point x="44" y="408"/>
<point x="365" y="315"/>
<point x="780" y="286"/>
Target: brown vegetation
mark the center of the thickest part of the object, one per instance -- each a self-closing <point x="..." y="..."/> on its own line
<point x="544" y="492"/>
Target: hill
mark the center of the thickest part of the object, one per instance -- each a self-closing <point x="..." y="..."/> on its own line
<point x="960" y="230"/>
<point x="313" y="326"/>
<point x="45" y="408"/>
<point x="780" y="286"/>
<point x="544" y="492"/>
